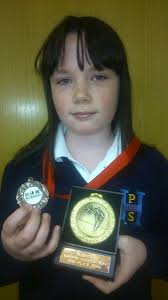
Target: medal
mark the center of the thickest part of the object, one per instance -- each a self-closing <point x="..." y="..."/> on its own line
<point x="92" y="219"/>
<point x="90" y="231"/>
<point x="32" y="193"/>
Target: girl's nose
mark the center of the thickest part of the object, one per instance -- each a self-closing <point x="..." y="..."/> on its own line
<point x="81" y="93"/>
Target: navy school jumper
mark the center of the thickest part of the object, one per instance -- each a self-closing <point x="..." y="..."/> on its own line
<point x="141" y="174"/>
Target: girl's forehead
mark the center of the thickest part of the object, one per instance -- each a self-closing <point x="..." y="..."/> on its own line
<point x="64" y="69"/>
<point x="73" y="52"/>
<point x="71" y="40"/>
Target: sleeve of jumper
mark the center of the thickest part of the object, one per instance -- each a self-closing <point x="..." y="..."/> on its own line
<point x="11" y="270"/>
<point x="157" y="242"/>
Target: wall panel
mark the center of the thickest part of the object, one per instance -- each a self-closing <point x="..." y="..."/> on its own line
<point x="23" y="26"/>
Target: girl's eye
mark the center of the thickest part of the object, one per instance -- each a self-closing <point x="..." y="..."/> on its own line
<point x="64" y="81"/>
<point x="99" y="77"/>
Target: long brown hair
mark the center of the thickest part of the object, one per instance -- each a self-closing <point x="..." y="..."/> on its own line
<point x="105" y="50"/>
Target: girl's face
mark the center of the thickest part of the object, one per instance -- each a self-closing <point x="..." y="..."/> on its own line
<point x="85" y="101"/>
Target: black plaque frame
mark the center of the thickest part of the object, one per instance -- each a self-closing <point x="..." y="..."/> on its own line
<point x="105" y="253"/>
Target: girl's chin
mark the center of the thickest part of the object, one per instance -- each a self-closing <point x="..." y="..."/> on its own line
<point x="84" y="131"/>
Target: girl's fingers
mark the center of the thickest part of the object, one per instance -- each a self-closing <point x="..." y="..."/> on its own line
<point x="132" y="256"/>
<point x="51" y="246"/>
<point x="25" y="236"/>
<point x="107" y="286"/>
<point x="41" y="236"/>
<point x="53" y="243"/>
<point x="20" y="216"/>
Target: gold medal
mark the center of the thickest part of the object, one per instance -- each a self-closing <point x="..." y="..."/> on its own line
<point x="32" y="193"/>
<point x="92" y="219"/>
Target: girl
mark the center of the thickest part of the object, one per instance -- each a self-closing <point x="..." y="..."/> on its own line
<point x="88" y="142"/>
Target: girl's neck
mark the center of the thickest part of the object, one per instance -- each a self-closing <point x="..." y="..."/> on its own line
<point x="89" y="149"/>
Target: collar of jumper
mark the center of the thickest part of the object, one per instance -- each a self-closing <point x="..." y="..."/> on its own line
<point x="111" y="170"/>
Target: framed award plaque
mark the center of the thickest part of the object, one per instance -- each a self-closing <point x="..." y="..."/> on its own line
<point x="90" y="232"/>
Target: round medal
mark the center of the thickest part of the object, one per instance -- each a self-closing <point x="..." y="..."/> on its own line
<point x="92" y="219"/>
<point x="32" y="193"/>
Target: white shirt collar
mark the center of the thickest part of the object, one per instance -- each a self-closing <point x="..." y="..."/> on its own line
<point x="61" y="150"/>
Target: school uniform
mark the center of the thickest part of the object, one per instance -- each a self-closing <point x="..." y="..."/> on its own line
<point x="140" y="173"/>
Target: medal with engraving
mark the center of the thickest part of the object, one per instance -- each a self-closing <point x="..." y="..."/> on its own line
<point x="92" y="219"/>
<point x="89" y="236"/>
<point x="32" y="193"/>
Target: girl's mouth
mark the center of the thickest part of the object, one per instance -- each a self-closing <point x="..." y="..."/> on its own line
<point x="83" y="115"/>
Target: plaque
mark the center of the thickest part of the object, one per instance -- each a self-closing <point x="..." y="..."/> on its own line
<point x="32" y="193"/>
<point x="90" y="231"/>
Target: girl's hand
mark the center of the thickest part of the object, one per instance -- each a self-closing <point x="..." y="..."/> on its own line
<point x="25" y="233"/>
<point x="132" y="256"/>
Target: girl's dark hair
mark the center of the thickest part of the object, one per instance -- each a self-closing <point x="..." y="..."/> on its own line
<point x="105" y="49"/>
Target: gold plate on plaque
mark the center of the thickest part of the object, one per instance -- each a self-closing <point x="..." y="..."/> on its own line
<point x="92" y="219"/>
<point x="85" y="259"/>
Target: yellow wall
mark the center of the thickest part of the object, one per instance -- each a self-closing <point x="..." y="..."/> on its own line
<point x="23" y="26"/>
